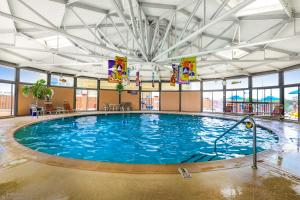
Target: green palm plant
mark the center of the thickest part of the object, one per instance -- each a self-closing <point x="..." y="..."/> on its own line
<point x="119" y="87"/>
<point x="39" y="91"/>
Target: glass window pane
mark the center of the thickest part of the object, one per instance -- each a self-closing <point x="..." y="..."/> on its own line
<point x="213" y="85"/>
<point x="168" y="87"/>
<point x="265" y="80"/>
<point x="217" y="101"/>
<point x="27" y="76"/>
<point x="81" y="99"/>
<point x="195" y="86"/>
<point x="292" y="77"/>
<point x="291" y="103"/>
<point x="150" y="101"/>
<point x="7" y="73"/>
<point x="92" y="100"/>
<point x="86" y="83"/>
<point x="6" y="99"/>
<point x="147" y="86"/>
<point x="131" y="86"/>
<point x="65" y="81"/>
<point x="107" y="85"/>
<point x="207" y="101"/>
<point x="237" y="83"/>
<point x="86" y="99"/>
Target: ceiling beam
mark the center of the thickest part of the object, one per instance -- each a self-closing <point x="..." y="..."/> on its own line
<point x="121" y="15"/>
<point x="202" y="29"/>
<point x="61" y="32"/>
<point x="242" y="45"/>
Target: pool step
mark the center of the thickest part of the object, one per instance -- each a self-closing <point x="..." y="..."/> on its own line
<point x="199" y="158"/>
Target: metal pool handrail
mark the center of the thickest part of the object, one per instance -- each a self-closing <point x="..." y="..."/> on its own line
<point x="254" y="137"/>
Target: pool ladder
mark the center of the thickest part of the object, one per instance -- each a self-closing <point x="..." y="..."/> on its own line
<point x="209" y="158"/>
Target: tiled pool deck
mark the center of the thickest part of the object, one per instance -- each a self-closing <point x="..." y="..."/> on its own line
<point x="28" y="175"/>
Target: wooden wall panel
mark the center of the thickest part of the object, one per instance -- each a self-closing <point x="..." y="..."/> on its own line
<point x="190" y="101"/>
<point x="132" y="98"/>
<point x="169" y="101"/>
<point x="108" y="96"/>
<point x="60" y="95"/>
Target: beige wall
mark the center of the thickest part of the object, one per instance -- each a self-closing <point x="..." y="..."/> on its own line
<point x="169" y="101"/>
<point x="190" y="101"/>
<point x="23" y="102"/>
<point x="108" y="96"/>
<point x="133" y="99"/>
<point x="60" y="95"/>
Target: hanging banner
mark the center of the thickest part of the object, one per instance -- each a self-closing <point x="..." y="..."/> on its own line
<point x="121" y="67"/>
<point x="153" y="79"/>
<point x="137" y="79"/>
<point x="187" y="70"/>
<point x="173" y="77"/>
<point x="117" y="69"/>
<point x="112" y="72"/>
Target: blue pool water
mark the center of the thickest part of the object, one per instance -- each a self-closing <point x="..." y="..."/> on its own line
<point x="142" y="138"/>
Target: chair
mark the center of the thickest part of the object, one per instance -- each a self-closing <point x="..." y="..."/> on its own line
<point x="49" y="108"/>
<point x="106" y="107"/>
<point x="229" y="108"/>
<point x="67" y="107"/>
<point x="34" y="111"/>
<point x="248" y="108"/>
<point x="277" y="111"/>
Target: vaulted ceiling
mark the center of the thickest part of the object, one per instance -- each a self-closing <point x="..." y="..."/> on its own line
<point x="229" y="37"/>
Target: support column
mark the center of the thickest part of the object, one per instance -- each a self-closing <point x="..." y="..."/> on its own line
<point x="48" y="79"/>
<point x="250" y="91"/>
<point x="74" y="97"/>
<point x="201" y="96"/>
<point x="140" y="97"/>
<point x="180" y="89"/>
<point x="159" y="90"/>
<point x="281" y="90"/>
<point x="224" y="95"/>
<point x="16" y="99"/>
<point x="98" y="96"/>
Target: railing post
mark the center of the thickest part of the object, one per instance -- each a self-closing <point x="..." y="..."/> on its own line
<point x="254" y="166"/>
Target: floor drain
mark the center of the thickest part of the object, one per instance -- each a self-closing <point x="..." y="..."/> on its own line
<point x="184" y="173"/>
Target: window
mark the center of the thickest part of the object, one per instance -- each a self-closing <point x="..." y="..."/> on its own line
<point x="213" y="101"/>
<point x="131" y="86"/>
<point x="7" y="73"/>
<point x="150" y="101"/>
<point x="237" y="83"/>
<point x="107" y="85"/>
<point x="236" y="101"/>
<point x="257" y="7"/>
<point x="267" y="80"/>
<point x="292" y="77"/>
<point x="6" y="99"/>
<point x="86" y="99"/>
<point x="213" y="85"/>
<point x="65" y="81"/>
<point x="230" y="54"/>
<point x="86" y="83"/>
<point x="193" y="86"/>
<point x="291" y="106"/>
<point x="28" y="76"/>
<point x="168" y="87"/>
<point x="147" y="86"/>
<point x="55" y="41"/>
<point x="265" y="100"/>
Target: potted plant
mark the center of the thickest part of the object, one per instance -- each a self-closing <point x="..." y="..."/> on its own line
<point x="120" y="87"/>
<point x="39" y="91"/>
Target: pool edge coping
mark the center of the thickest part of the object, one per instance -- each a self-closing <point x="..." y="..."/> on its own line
<point x="15" y="147"/>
